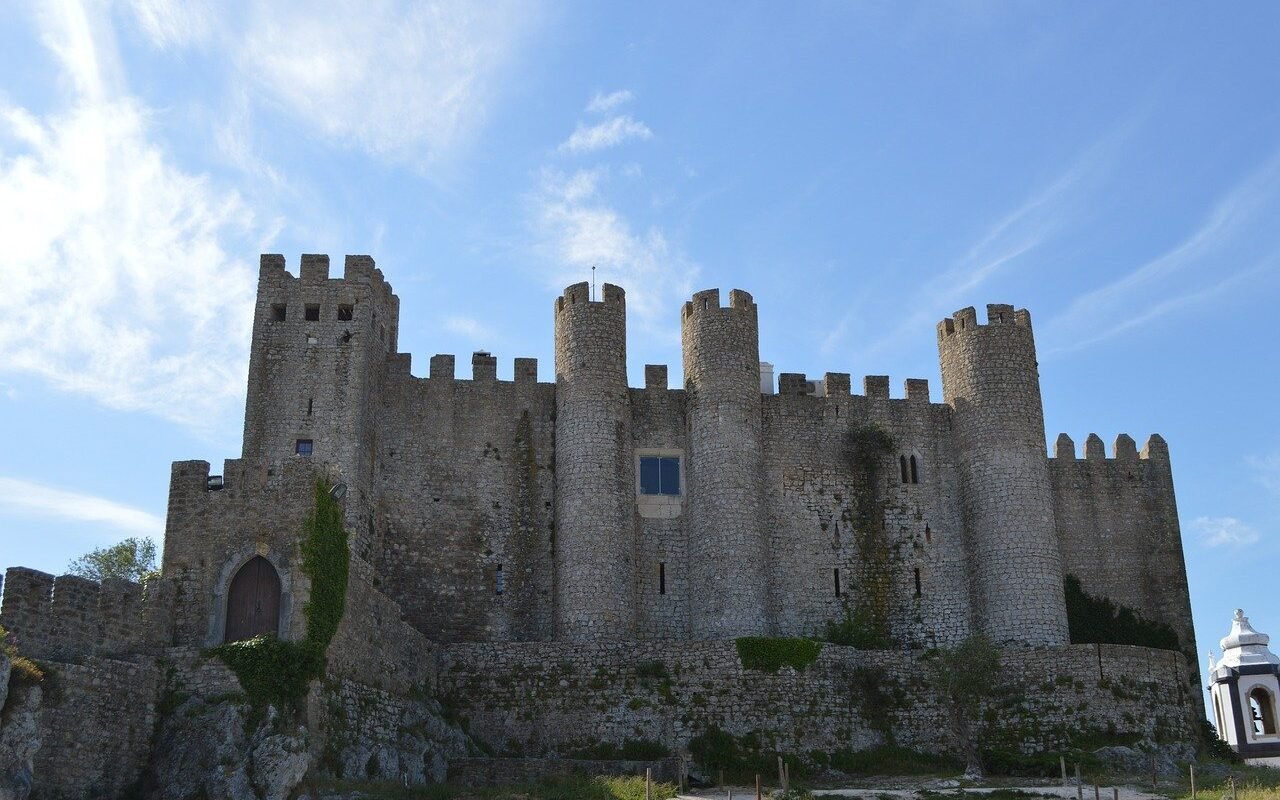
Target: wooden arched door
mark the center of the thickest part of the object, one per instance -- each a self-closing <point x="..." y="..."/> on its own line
<point x="253" y="601"/>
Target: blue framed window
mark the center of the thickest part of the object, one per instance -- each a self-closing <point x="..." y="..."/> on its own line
<point x="303" y="447"/>
<point x="660" y="475"/>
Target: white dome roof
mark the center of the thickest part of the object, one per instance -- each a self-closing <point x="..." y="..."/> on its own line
<point x="1244" y="645"/>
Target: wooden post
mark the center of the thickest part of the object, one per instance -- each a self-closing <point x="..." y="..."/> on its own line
<point x="1153" y="772"/>
<point x="1233" y="788"/>
<point x="782" y="777"/>
<point x="648" y="783"/>
<point x="1062" y="762"/>
<point x="786" y="777"/>
<point x="1097" y="793"/>
<point x="1115" y="793"/>
<point x="730" y="793"/>
<point x="1079" y="785"/>
<point x="758" y="794"/>
<point x="1192" y="767"/>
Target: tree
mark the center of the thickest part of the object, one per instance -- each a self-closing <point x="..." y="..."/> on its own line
<point x="965" y="678"/>
<point x="134" y="559"/>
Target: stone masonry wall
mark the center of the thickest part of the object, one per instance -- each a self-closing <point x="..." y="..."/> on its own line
<point x="1117" y="524"/>
<point x="813" y="507"/>
<point x="97" y="720"/>
<point x="538" y="699"/>
<point x="465" y="481"/>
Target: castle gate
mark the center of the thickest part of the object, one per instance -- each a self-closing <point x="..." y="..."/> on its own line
<point x="253" y="602"/>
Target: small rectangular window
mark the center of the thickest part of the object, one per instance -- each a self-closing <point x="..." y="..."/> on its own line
<point x="500" y="580"/>
<point x="278" y="311"/>
<point x="345" y="313"/>
<point x="917" y="581"/>
<point x="302" y="447"/>
<point x="660" y="475"/>
<point x="312" y="313"/>
<point x="662" y="577"/>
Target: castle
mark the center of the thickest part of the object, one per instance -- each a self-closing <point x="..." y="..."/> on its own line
<point x="500" y="530"/>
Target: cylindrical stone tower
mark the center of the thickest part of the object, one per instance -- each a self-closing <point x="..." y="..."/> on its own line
<point x="727" y="540"/>
<point x="991" y="381"/>
<point x="594" y="542"/>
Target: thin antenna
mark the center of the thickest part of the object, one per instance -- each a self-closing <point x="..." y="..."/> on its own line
<point x="593" y="282"/>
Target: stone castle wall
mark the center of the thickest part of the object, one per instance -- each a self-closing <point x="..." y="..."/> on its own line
<point x="539" y="699"/>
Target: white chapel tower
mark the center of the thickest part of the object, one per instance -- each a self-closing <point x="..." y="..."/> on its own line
<point x="1245" y="686"/>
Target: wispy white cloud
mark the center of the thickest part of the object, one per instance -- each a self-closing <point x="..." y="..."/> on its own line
<point x="604" y="103"/>
<point x="577" y="228"/>
<point x="406" y="81"/>
<point x="610" y="133"/>
<point x="119" y="281"/>
<point x="1266" y="470"/>
<point x="1224" y="532"/>
<point x="1190" y="272"/>
<point x="1038" y="218"/>
<point x="26" y="498"/>
<point x="175" y="23"/>
<point x="469" y="328"/>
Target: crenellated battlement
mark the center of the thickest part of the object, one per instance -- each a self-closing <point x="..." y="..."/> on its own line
<point x="998" y="314"/>
<point x="68" y="617"/>
<point x="1123" y="449"/>
<point x="837" y="384"/>
<point x="484" y="368"/>
<point x="708" y="300"/>
<point x="579" y="294"/>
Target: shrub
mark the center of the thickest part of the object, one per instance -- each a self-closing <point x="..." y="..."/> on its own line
<point x="22" y="670"/>
<point x="769" y="654"/>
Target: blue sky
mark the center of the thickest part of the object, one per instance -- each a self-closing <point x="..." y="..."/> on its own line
<point x="864" y="169"/>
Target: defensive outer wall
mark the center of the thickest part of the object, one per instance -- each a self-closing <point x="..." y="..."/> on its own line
<point x="505" y="561"/>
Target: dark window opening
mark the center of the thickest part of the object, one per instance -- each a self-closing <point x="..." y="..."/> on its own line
<point x="278" y="312"/>
<point x="303" y="447"/>
<point x="499" y="581"/>
<point x="917" y="571"/>
<point x="902" y="467"/>
<point x="310" y="405"/>
<point x="915" y="471"/>
<point x="836" y="573"/>
<point x="705" y="303"/>
<point x="928" y="534"/>
<point x="660" y="475"/>
<point x="837" y="412"/>
<point x="345" y="313"/>
<point x="662" y="577"/>
<point x="312" y="313"/>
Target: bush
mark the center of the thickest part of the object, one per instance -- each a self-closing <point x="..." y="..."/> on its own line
<point x="740" y="758"/>
<point x="22" y="670"/>
<point x="891" y="759"/>
<point x="858" y="629"/>
<point x="769" y="654"/>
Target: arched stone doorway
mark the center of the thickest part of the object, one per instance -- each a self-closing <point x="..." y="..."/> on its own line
<point x="253" y="601"/>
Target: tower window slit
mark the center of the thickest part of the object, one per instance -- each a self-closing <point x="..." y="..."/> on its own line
<point x="915" y="471"/>
<point x="917" y="573"/>
<point x="928" y="534"/>
<point x="310" y="405"/>
<point x="836" y="574"/>
<point x="902" y="467"/>
<point x="662" y="577"/>
<point x="499" y="580"/>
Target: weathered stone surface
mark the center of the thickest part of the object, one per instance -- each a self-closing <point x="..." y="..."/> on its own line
<point x="20" y="740"/>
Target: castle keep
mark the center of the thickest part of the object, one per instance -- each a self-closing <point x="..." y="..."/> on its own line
<point x="528" y="543"/>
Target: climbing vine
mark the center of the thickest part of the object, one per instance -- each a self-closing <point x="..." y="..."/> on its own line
<point x="866" y="622"/>
<point x="1098" y="620"/>
<point x="277" y="673"/>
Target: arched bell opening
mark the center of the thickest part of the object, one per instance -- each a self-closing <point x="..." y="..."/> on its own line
<point x="253" y="601"/>
<point x="1263" y="709"/>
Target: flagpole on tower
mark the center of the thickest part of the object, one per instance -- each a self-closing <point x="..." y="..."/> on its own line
<point x="593" y="282"/>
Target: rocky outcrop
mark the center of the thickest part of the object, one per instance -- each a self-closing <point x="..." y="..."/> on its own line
<point x="206" y="750"/>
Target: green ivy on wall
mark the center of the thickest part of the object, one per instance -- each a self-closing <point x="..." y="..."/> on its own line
<point x="769" y="654"/>
<point x="1097" y="620"/>
<point x="866" y="623"/>
<point x="277" y="673"/>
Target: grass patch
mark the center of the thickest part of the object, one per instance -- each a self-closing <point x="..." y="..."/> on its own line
<point x="571" y="788"/>
<point x="22" y="670"/>
<point x="769" y="654"/>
